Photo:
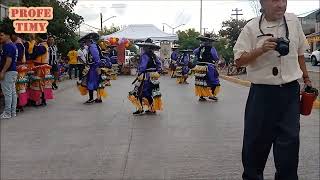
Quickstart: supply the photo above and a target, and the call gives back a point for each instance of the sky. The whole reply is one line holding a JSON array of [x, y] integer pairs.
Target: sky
[[173, 13]]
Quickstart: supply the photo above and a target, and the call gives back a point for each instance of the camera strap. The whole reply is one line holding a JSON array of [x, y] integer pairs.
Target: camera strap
[[285, 23]]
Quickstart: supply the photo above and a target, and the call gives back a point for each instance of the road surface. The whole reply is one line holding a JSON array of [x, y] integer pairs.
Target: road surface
[[188, 140]]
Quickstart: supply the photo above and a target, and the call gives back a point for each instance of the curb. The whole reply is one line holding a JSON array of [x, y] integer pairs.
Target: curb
[[236, 80], [316, 103]]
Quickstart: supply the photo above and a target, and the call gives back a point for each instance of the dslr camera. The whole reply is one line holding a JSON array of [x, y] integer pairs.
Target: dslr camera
[[282, 46]]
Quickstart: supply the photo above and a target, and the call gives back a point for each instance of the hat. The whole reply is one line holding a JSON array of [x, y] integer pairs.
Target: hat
[[175, 46], [148, 43], [206, 38], [90, 36], [186, 50]]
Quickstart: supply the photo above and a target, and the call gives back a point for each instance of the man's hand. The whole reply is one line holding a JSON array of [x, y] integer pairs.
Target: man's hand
[[269, 44], [2, 75], [307, 82]]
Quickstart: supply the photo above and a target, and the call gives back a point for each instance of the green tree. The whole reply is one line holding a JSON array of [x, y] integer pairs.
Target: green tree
[[231, 30], [133, 48], [7, 23], [188, 39], [223, 49], [109, 30], [64, 24]]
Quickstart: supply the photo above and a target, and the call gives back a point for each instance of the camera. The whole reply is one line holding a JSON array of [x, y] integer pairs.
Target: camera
[[282, 46]]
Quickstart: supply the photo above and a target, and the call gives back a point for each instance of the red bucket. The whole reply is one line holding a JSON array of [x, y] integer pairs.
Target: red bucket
[[306, 103]]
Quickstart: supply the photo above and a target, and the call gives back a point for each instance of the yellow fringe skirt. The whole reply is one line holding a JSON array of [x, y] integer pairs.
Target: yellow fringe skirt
[[157, 104], [203, 91]]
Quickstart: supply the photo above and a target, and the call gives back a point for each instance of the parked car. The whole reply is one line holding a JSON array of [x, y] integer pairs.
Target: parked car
[[307, 55], [315, 57]]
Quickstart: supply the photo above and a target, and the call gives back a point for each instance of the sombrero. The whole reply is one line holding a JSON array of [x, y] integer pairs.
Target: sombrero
[[93, 36], [148, 43], [206, 38], [176, 46]]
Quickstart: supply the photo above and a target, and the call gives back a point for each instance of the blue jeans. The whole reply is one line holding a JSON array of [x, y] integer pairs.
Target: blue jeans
[[8, 86]]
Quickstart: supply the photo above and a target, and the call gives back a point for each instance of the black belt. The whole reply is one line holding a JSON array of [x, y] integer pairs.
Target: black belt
[[281, 85]]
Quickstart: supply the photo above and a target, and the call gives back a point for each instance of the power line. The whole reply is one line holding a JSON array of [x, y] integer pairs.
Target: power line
[[237, 13]]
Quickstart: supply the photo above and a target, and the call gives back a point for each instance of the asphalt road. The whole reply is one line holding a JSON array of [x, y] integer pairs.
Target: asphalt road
[[188, 140]]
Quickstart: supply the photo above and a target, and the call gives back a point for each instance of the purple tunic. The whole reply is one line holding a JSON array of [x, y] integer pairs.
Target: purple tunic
[[143, 66], [93, 76], [212, 74], [184, 62], [174, 55]]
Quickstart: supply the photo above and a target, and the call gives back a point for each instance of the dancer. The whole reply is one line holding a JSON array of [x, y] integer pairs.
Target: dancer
[[113, 55], [207, 82], [183, 67], [174, 58], [94, 74], [147, 90]]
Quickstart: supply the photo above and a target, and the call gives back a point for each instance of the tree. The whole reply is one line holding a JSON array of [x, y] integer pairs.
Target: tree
[[187, 39], [223, 49], [231, 30], [64, 24], [255, 5], [109, 30]]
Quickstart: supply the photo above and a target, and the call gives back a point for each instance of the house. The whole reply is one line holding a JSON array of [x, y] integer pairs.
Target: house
[[314, 38], [308, 20], [311, 27], [4, 7]]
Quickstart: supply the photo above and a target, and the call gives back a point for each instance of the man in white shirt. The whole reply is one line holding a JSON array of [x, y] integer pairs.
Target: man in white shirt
[[272, 112], [82, 59]]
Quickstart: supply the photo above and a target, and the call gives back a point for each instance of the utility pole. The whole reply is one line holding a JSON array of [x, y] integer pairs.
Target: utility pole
[[237, 13], [200, 17], [204, 30], [101, 22]]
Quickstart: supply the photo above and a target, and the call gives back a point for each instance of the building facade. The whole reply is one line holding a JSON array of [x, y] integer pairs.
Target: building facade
[[4, 5], [311, 27]]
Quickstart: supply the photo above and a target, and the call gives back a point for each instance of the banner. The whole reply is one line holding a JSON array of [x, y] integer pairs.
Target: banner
[[30, 19]]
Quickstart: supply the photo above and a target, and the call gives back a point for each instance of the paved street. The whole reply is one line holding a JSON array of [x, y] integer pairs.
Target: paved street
[[188, 140], [313, 68]]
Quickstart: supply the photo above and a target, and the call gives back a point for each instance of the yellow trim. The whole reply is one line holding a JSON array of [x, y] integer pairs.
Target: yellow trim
[[43, 59], [203, 91]]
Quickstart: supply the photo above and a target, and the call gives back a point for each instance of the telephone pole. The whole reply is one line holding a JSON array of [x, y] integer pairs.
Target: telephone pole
[[237, 13], [204, 30], [200, 17], [101, 22]]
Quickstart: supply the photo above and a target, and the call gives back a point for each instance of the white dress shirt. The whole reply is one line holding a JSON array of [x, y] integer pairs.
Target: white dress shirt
[[260, 71]]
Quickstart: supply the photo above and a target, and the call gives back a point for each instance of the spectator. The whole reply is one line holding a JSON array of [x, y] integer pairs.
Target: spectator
[[8, 73], [73, 61], [53, 61], [82, 58]]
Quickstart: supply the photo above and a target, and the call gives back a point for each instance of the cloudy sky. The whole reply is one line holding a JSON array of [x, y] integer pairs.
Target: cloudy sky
[[174, 12]]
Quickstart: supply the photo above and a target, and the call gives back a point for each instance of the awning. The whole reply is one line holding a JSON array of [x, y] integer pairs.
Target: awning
[[314, 37], [142, 32]]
